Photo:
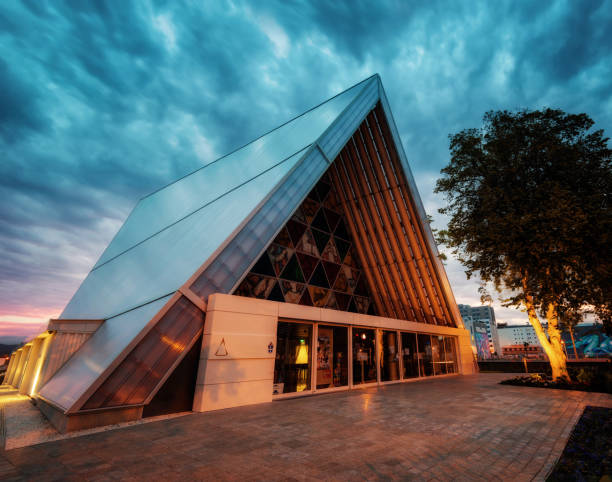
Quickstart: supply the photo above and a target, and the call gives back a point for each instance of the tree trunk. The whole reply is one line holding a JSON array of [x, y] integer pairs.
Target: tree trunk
[[552, 348], [554, 335]]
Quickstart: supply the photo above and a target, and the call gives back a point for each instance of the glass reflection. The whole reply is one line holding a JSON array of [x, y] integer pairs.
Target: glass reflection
[[409, 353], [424, 355], [364, 356], [332, 356], [389, 359], [437, 354], [293, 358], [451, 354]]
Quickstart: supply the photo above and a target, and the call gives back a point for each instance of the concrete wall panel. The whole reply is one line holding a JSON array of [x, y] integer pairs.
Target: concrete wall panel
[[236, 367], [227, 395], [236, 363], [233, 371]]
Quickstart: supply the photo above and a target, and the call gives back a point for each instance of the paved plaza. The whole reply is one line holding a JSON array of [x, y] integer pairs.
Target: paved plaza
[[454, 428]]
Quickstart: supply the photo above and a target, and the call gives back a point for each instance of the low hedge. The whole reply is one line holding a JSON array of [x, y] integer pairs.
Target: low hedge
[[588, 379]]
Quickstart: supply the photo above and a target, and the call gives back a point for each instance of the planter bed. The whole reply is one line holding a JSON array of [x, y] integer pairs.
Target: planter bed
[[588, 453], [587, 380]]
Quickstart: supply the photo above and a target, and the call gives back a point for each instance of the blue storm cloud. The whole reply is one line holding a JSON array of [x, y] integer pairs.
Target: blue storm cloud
[[103, 102]]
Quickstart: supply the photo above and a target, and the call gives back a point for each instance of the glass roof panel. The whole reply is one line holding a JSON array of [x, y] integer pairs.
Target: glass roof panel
[[173, 202], [96, 354], [164, 262]]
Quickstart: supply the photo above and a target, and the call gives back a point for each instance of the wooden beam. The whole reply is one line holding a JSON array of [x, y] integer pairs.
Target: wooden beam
[[392, 219], [364, 250], [393, 170], [395, 187]]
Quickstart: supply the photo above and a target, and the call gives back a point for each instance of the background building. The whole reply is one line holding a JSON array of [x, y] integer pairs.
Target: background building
[[485, 315], [517, 335], [590, 339], [523, 351], [480, 339]]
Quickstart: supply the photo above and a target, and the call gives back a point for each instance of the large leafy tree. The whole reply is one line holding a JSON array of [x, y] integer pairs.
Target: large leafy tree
[[530, 205]]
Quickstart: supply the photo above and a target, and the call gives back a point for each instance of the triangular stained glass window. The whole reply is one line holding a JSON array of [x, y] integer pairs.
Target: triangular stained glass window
[[342, 231], [343, 300], [331, 301], [319, 278], [361, 288], [321, 239], [346, 280], [292, 271], [283, 239], [331, 270], [319, 296], [309, 208], [307, 244], [330, 253], [322, 189], [361, 303], [332, 218], [263, 266], [276, 294], [279, 256], [332, 202], [341, 283], [343, 247], [306, 300], [244, 289], [255, 286], [308, 264], [313, 195], [292, 291], [298, 215], [320, 222], [350, 259], [304, 261], [296, 231]]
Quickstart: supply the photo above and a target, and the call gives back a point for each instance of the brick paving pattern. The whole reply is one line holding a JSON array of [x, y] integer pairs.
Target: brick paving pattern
[[455, 428]]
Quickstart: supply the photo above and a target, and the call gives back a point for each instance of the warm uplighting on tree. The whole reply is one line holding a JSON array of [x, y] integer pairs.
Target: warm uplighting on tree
[[528, 200]]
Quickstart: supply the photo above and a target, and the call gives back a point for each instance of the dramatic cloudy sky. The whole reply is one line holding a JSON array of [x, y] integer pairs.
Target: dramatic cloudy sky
[[100, 105]]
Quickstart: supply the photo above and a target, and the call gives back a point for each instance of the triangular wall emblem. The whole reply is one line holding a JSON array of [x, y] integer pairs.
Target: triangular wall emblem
[[222, 349]]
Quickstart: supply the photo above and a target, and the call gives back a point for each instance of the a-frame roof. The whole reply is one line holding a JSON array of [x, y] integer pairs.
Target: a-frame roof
[[204, 231], [173, 231]]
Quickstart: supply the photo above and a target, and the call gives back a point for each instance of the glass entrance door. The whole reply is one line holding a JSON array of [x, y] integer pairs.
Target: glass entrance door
[[389, 359], [364, 356], [437, 355], [332, 356], [451, 354], [293, 364], [424, 355], [410, 358]]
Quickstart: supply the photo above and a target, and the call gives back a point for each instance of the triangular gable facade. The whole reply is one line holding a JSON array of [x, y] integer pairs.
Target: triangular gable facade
[[321, 211], [313, 260]]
